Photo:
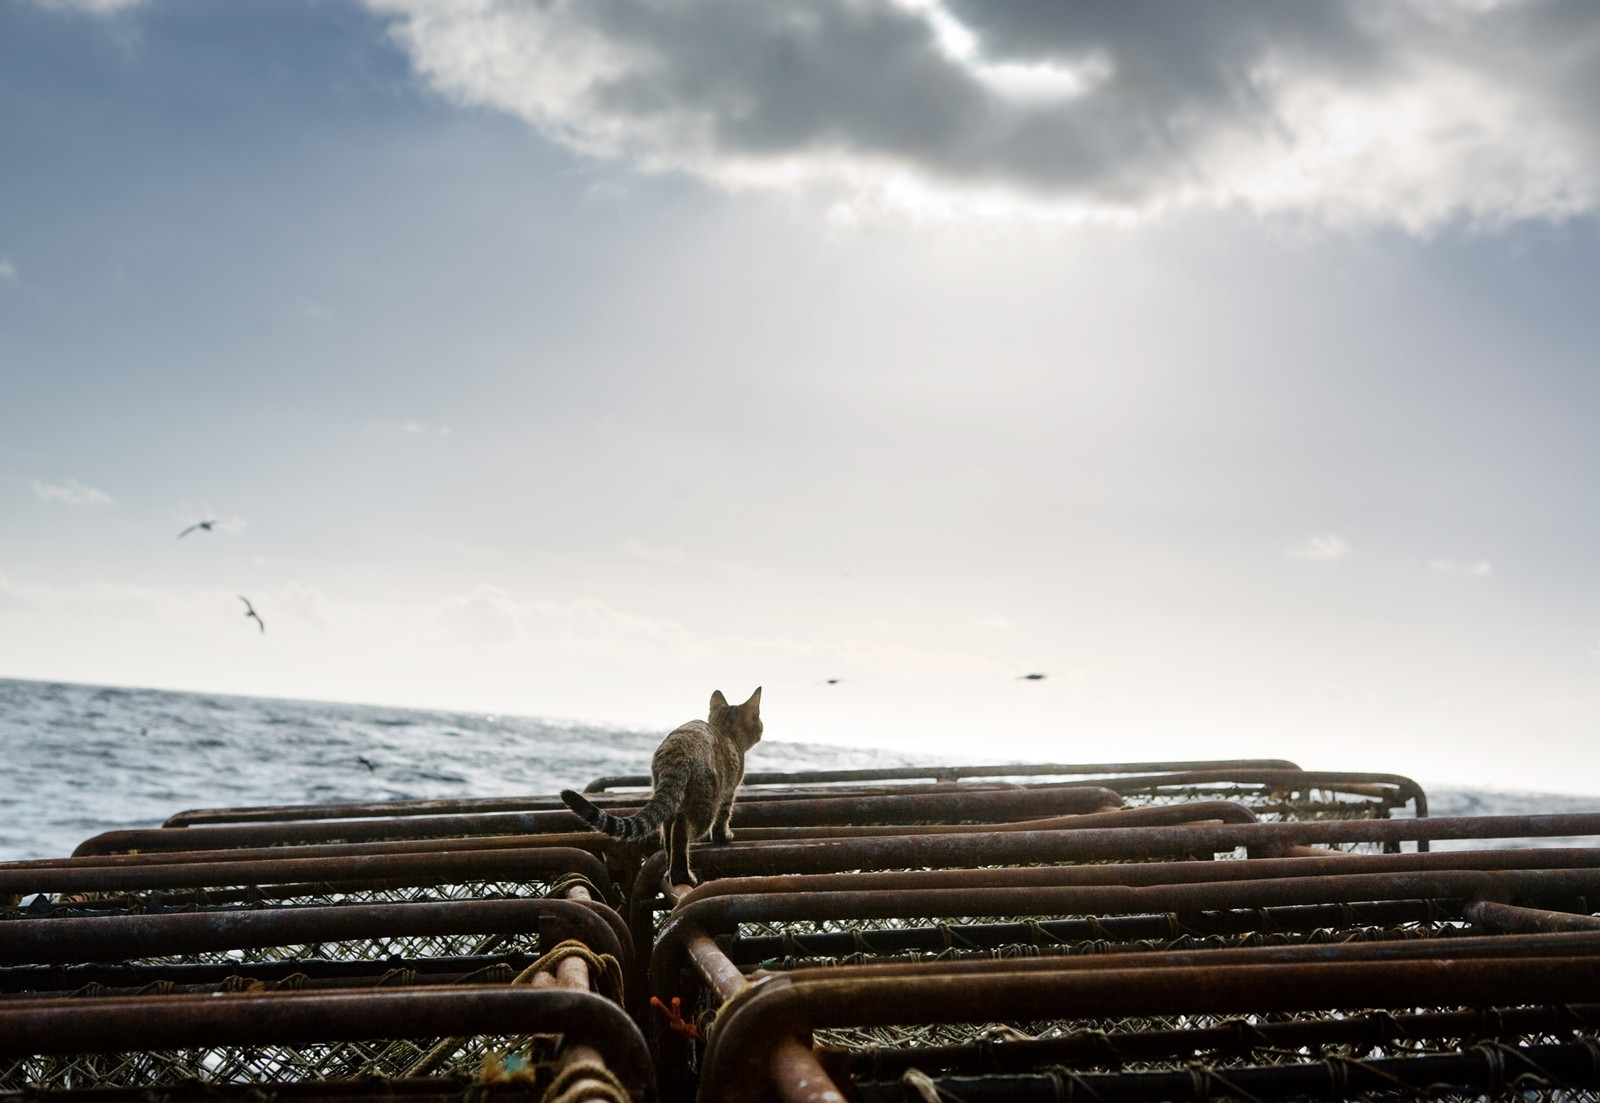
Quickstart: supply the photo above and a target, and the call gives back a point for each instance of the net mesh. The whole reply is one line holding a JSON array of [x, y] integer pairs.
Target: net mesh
[[262, 1064], [820, 943], [1164, 1043], [79, 905]]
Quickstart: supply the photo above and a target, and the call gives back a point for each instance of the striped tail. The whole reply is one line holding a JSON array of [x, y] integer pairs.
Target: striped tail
[[664, 803]]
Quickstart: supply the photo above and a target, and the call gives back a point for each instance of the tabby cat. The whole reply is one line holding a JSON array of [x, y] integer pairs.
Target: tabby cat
[[696, 772]]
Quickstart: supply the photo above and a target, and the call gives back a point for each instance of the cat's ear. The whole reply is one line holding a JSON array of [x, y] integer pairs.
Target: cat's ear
[[753, 706], [718, 701]]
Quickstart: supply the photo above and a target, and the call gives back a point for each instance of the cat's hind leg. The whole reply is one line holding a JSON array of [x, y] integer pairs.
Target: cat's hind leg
[[678, 852], [720, 831]]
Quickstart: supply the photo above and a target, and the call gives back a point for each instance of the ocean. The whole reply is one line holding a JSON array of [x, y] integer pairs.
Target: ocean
[[76, 760]]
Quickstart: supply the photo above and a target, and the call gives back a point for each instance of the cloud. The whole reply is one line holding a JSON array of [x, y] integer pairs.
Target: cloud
[[1479, 569], [8, 272], [893, 661], [418, 428], [1325, 548], [70, 491], [88, 7], [410, 427], [1407, 112]]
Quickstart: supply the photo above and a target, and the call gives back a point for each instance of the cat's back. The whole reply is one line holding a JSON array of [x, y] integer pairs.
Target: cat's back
[[690, 740]]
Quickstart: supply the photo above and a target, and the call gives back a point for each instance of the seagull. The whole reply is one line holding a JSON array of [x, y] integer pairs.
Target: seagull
[[250, 611], [366, 763], [200, 525], [1030, 677]]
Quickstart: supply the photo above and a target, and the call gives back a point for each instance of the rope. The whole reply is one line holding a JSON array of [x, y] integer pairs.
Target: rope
[[1037, 935], [605, 965], [566, 881], [1496, 1053], [498, 973], [586, 1082], [926, 1090], [1075, 1083], [1344, 1064], [1201, 1079]]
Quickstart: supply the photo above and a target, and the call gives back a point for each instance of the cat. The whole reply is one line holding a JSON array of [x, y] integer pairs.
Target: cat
[[696, 772]]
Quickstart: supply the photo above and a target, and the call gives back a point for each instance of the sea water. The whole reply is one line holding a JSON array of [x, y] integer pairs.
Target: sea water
[[76, 760]]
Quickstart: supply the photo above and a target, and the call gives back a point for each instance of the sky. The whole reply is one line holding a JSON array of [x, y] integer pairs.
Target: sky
[[1232, 364]]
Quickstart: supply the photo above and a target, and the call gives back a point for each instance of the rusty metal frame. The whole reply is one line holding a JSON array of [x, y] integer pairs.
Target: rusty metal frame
[[1092, 844], [121, 937], [949, 806], [757, 786], [951, 774], [1288, 891], [127, 978], [1133, 777], [613, 802], [751, 1053], [174, 1022], [722, 914], [1492, 1071], [347, 871], [1152, 873], [591, 841], [1239, 1038]]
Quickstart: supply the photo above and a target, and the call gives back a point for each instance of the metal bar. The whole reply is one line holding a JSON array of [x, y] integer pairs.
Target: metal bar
[[110, 938], [592, 841], [387, 809], [984, 847], [1155, 873], [172, 1022], [1059, 935], [958, 805], [799, 1078], [720, 914], [721, 975], [954, 773], [396, 869], [365, 1090], [16, 979], [1500, 918], [1221, 811]]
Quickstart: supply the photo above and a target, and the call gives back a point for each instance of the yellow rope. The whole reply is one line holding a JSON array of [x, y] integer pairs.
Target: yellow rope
[[586, 1082], [605, 965]]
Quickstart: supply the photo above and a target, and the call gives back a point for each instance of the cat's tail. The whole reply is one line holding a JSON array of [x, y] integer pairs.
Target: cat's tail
[[664, 804]]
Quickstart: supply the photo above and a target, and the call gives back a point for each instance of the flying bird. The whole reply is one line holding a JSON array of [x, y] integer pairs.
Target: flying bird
[[1030, 677], [200, 525], [370, 767], [833, 681], [250, 611]]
